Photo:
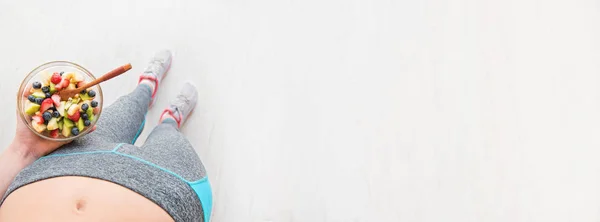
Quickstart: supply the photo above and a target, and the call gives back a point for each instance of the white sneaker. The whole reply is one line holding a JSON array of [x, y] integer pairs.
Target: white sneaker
[[157, 69], [160, 63], [183, 105]]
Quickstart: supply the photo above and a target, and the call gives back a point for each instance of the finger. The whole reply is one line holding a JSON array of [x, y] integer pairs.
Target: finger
[[93, 129]]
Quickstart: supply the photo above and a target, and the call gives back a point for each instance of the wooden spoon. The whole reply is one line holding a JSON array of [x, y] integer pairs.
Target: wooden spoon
[[65, 94]]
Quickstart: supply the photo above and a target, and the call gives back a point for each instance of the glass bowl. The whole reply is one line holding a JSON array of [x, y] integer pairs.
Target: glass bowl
[[40, 74]]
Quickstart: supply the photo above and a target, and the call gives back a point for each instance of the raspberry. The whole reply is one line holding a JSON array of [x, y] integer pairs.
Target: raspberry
[[56, 78]]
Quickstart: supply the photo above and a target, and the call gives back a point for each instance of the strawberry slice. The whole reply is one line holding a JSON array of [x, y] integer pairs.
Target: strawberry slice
[[63, 84], [54, 133], [56, 99], [59, 86], [74, 117], [37, 119], [56, 78], [46, 104]]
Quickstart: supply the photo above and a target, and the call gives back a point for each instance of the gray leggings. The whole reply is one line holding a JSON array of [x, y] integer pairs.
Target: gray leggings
[[166, 169]]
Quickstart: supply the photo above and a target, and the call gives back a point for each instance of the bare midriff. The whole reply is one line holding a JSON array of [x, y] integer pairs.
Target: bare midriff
[[83, 199]]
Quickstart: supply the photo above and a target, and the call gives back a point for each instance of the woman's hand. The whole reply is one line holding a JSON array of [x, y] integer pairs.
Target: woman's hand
[[32, 145], [25, 148]]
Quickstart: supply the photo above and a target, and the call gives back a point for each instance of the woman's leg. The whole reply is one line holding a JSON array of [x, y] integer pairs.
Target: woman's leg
[[171, 144], [123, 121], [175, 152], [168, 148]]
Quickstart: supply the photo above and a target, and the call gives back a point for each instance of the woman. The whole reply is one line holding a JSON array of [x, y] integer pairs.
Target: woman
[[102, 176]]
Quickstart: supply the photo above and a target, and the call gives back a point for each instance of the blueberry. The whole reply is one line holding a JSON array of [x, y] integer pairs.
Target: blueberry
[[37, 85], [47, 116], [84, 107], [52, 108], [84, 116], [39, 101], [91, 93], [31, 98], [45, 89], [75, 131], [83, 92], [94, 103], [55, 114], [61, 73], [48, 95], [87, 122]]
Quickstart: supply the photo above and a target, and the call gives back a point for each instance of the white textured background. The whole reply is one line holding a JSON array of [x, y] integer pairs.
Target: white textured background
[[355, 110]]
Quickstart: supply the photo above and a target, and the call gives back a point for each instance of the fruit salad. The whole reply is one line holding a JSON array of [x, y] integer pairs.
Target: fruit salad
[[56, 117]]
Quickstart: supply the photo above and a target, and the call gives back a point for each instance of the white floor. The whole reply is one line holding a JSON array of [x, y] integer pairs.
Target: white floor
[[360, 110]]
